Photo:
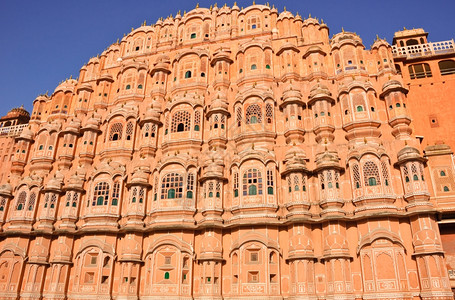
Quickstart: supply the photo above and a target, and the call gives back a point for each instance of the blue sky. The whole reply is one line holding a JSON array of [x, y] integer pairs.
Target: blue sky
[[44, 42]]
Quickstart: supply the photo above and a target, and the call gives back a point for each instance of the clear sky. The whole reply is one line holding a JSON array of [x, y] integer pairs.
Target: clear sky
[[44, 42]]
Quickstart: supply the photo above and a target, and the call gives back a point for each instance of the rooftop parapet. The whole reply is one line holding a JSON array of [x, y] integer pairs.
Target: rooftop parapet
[[423, 50]]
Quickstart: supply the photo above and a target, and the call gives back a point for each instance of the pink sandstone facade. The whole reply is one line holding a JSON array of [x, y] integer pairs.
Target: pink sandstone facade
[[232, 153]]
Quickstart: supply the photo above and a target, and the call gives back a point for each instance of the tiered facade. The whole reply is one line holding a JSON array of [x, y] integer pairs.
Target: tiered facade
[[224, 153]]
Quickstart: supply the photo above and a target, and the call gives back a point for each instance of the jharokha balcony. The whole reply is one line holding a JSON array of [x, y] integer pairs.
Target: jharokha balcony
[[423, 50], [12, 130]]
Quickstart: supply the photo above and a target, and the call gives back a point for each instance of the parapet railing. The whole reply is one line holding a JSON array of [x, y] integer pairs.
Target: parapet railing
[[12, 130], [420, 50]]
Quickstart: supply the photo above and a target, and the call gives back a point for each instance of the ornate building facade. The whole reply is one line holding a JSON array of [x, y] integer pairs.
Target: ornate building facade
[[229, 153]]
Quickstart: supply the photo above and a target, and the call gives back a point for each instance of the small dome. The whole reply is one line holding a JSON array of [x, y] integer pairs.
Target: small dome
[[66, 86], [139, 177], [408, 153], [27, 134], [54, 184], [319, 90], [6, 189], [17, 112]]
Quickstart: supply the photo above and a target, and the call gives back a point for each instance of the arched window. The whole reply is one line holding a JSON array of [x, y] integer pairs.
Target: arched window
[[442, 173], [252, 182], [371, 173], [21, 200], [193, 35], [253, 114], [172, 186], [128, 86], [181, 121], [197, 120], [356, 175], [398, 105], [129, 130], [446, 189], [269, 182], [31, 201], [190, 186], [101, 194], [412, 42], [116, 132], [188, 74], [239, 116], [166, 274], [269, 113], [371, 181], [267, 67], [359, 108], [115, 193], [236, 184], [139, 86], [447, 67], [253, 67], [421, 70]]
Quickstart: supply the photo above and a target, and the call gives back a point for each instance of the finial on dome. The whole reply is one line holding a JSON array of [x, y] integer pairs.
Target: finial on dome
[[197, 5], [309, 15], [117, 41], [254, 2], [284, 8], [342, 29], [132, 28], [71, 76], [235, 3], [404, 28]]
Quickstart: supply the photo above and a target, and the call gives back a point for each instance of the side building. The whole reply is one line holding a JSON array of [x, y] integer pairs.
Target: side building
[[231, 153]]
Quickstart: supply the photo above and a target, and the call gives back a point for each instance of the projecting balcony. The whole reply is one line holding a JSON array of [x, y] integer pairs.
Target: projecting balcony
[[12, 130], [424, 50]]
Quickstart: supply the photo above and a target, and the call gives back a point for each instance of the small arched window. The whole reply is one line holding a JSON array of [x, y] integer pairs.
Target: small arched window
[[188, 74], [446, 189], [253, 67], [372, 181], [360, 108], [128, 86], [166, 274], [193, 35], [415, 177], [442, 173], [171, 194], [139, 86], [267, 67], [398, 105]]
